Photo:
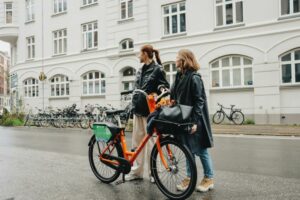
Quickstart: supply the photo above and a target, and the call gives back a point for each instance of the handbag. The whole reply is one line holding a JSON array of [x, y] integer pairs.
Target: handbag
[[177, 114]]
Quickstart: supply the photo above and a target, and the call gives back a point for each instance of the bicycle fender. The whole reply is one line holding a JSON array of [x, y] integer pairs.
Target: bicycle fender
[[91, 140]]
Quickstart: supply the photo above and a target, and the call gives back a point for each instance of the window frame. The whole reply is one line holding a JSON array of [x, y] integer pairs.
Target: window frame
[[86, 33], [64, 41], [291, 14], [127, 41], [57, 3], [8, 10], [65, 83], [126, 9], [34, 87], [88, 4], [130, 79], [171, 73], [169, 15], [30, 12], [30, 44], [293, 63], [93, 80], [223, 4], [231, 68]]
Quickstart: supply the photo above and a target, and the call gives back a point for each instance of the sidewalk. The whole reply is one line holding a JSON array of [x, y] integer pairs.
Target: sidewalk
[[272, 130]]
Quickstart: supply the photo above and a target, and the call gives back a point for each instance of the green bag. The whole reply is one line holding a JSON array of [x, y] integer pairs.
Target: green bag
[[101, 132]]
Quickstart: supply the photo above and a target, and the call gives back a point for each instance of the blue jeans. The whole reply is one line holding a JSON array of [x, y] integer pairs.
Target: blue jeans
[[206, 163]]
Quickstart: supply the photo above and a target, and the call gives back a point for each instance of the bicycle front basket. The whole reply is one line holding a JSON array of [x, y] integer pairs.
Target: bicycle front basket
[[102, 132]]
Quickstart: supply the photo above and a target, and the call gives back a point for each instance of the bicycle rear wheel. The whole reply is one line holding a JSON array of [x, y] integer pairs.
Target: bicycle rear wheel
[[218, 117], [103, 172], [179, 159], [237, 117]]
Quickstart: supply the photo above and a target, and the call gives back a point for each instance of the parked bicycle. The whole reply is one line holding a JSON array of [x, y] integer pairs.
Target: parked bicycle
[[236, 115], [169, 161]]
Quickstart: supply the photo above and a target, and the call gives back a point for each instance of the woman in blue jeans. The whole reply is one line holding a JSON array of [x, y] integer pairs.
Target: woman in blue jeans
[[188, 89]]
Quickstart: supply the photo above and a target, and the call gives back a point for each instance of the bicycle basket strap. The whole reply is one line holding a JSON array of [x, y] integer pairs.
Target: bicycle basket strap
[[178, 113]]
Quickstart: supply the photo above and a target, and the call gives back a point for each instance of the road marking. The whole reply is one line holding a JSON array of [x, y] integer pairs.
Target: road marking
[[258, 136]]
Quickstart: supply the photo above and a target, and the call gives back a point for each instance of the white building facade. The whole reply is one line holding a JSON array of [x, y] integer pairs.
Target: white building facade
[[249, 50], [4, 84]]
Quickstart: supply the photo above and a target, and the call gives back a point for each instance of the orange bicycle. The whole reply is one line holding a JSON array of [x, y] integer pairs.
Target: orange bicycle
[[169, 162]]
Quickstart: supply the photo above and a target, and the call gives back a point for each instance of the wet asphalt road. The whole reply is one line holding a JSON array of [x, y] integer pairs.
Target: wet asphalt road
[[38, 164]]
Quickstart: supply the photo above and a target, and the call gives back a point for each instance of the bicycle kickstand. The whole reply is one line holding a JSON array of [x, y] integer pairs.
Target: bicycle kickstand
[[121, 181]]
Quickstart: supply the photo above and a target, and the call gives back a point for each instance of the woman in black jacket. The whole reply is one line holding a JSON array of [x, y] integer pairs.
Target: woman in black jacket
[[151, 78], [188, 89]]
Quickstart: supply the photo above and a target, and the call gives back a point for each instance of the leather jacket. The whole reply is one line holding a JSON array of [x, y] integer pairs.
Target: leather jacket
[[149, 78]]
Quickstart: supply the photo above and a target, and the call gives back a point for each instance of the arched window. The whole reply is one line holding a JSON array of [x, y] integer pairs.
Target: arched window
[[290, 67], [93, 83], [170, 69], [31, 87], [126, 44], [231, 71], [60, 86], [128, 78]]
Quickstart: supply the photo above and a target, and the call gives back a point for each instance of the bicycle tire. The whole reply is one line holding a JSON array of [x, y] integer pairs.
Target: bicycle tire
[[218, 117], [96, 172], [235, 120], [84, 122], [155, 158]]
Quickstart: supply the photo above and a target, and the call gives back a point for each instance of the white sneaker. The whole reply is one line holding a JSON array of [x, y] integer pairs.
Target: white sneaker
[[152, 180], [132, 177]]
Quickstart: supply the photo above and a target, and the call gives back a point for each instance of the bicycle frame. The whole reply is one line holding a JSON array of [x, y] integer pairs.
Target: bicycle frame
[[131, 156]]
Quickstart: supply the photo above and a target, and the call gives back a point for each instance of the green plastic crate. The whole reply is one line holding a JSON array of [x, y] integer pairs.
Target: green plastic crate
[[101, 132]]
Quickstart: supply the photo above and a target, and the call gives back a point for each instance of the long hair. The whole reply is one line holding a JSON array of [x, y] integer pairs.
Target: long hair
[[150, 51], [188, 60]]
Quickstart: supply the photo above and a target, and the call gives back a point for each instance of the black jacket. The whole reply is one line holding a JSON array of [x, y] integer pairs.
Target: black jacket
[[150, 78], [188, 89]]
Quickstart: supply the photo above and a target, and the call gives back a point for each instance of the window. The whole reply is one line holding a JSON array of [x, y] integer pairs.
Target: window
[[126, 44], [170, 69], [31, 87], [128, 78], [90, 35], [88, 2], [93, 83], [29, 10], [60, 86], [60, 6], [30, 47], [229, 12], [290, 7], [290, 67], [60, 42], [126, 9], [174, 18], [8, 13], [231, 71]]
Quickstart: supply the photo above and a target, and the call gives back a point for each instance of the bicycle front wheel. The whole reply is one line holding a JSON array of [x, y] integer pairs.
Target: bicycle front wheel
[[237, 117], [179, 160], [103, 172], [218, 117]]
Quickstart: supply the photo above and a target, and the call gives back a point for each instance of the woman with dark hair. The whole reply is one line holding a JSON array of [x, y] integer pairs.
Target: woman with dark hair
[[151, 78], [188, 89]]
